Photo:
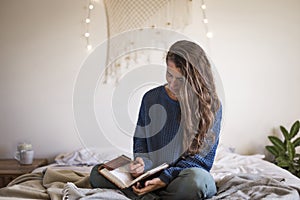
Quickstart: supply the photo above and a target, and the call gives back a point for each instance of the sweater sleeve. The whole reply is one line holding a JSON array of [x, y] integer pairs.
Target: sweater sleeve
[[140, 147], [197, 160]]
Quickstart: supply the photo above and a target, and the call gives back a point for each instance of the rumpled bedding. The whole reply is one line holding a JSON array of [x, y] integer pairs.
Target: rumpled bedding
[[52, 185], [71, 185], [237, 177], [250, 186]]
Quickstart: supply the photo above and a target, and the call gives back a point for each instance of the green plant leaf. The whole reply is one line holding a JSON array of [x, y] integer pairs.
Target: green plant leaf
[[285, 133], [291, 150], [282, 162], [296, 142], [277, 143], [294, 129], [272, 150]]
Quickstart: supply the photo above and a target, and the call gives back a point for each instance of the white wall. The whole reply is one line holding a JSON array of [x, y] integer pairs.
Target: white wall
[[255, 49], [42, 48]]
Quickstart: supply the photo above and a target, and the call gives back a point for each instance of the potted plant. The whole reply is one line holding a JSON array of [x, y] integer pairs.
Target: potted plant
[[284, 151]]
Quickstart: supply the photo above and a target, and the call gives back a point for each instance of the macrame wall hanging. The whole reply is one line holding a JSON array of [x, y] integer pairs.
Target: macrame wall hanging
[[127, 15]]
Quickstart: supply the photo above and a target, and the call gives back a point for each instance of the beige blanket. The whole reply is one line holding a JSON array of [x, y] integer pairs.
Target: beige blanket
[[43, 186]]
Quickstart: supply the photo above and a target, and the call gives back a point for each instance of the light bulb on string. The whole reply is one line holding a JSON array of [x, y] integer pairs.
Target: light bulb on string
[[89, 47], [87, 20], [209, 34], [91, 6], [87, 34]]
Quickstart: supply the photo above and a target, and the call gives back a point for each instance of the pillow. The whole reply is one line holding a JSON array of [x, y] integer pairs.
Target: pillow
[[89, 156]]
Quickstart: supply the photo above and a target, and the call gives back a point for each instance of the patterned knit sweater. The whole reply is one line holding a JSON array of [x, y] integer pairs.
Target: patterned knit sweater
[[158, 136]]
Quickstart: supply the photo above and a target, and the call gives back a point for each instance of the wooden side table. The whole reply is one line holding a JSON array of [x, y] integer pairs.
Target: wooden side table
[[11, 169]]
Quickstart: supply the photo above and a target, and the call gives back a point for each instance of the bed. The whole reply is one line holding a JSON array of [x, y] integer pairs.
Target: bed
[[237, 177]]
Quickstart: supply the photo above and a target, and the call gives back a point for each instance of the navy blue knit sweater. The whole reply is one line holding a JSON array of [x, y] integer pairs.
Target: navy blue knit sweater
[[158, 136]]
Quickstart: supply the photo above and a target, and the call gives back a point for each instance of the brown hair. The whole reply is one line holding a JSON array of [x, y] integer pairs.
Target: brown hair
[[198, 98]]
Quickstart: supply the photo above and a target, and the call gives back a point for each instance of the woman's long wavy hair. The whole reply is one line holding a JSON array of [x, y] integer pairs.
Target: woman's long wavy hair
[[198, 98]]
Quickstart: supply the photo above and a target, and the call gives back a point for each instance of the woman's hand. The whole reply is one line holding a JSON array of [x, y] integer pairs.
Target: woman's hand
[[150, 186], [137, 167]]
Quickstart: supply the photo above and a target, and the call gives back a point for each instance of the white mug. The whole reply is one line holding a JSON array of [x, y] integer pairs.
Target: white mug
[[25, 157]]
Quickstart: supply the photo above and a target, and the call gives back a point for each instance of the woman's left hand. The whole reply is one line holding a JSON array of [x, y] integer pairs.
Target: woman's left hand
[[150, 186]]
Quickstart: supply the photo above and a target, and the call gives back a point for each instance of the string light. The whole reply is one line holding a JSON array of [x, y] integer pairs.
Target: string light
[[89, 47], [91, 6], [209, 34], [87, 34], [87, 22]]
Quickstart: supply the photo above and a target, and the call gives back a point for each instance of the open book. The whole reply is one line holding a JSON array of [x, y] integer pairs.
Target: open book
[[117, 171]]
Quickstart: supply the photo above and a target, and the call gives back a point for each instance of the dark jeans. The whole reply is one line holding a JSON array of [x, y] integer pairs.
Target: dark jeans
[[191, 183]]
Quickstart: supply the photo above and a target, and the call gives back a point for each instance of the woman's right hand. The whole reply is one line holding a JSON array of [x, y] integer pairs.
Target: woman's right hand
[[137, 167]]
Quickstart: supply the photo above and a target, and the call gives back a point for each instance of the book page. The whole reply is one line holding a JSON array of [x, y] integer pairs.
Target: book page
[[123, 175], [106, 173]]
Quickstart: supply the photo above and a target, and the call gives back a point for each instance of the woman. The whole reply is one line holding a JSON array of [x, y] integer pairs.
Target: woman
[[179, 123], [193, 115]]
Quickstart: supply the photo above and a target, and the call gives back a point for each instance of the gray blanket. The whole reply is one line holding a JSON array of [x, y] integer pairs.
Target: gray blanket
[[250, 186]]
